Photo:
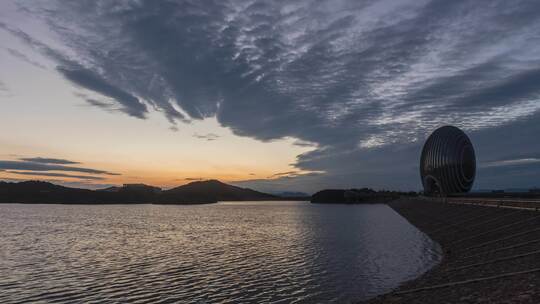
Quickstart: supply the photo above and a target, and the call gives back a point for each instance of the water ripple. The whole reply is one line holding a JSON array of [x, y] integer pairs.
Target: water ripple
[[278, 252]]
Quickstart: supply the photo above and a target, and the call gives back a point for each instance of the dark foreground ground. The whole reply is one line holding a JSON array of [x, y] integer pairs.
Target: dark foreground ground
[[492, 255]]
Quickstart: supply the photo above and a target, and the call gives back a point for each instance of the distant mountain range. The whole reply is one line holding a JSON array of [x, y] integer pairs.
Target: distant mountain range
[[199, 192]]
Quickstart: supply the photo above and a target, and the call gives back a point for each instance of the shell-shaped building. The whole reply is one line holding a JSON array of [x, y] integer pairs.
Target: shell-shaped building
[[448, 162]]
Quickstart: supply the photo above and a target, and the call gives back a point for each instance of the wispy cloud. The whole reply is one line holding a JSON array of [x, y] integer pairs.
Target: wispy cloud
[[24, 58], [511, 162], [208, 137], [3, 88], [86, 177], [193, 179], [94, 102], [288, 173]]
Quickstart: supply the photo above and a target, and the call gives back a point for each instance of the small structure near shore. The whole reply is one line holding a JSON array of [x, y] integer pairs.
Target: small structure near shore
[[448, 162]]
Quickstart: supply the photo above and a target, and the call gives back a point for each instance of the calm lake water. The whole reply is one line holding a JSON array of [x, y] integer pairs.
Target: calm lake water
[[234, 252]]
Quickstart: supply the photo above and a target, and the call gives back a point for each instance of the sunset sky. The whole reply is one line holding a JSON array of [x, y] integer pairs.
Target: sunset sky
[[276, 95]]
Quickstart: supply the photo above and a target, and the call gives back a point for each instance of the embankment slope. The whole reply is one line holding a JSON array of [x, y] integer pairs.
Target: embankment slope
[[492, 255]]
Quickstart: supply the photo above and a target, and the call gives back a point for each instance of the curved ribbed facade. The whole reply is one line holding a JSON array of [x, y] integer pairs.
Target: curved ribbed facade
[[448, 162]]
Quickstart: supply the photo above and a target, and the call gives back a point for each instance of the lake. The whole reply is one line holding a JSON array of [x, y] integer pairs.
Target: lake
[[230, 252]]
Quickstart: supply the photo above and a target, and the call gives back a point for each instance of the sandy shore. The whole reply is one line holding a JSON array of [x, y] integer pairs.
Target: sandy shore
[[492, 255]]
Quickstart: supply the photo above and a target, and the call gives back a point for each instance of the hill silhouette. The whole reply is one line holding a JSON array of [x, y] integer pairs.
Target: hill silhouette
[[35, 192], [210, 191]]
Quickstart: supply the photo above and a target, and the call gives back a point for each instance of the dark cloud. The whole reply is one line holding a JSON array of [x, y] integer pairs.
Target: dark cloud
[[44, 160], [193, 179], [94, 82], [363, 82], [208, 137], [86, 177], [37, 167]]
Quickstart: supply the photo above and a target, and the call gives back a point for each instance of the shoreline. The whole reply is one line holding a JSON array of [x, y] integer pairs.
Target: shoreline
[[490, 255], [157, 204]]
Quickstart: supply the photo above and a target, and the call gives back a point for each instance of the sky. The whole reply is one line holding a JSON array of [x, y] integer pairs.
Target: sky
[[295, 95]]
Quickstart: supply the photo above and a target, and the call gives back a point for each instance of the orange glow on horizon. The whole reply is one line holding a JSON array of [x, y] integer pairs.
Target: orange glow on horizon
[[238, 159], [161, 181]]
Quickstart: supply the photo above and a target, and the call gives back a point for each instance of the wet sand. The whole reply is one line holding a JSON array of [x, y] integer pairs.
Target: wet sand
[[491, 255]]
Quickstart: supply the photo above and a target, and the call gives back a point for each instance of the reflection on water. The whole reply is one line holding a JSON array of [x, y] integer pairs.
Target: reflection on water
[[287, 252]]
